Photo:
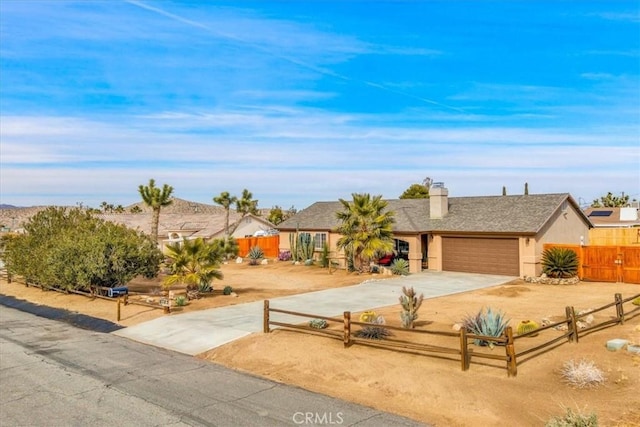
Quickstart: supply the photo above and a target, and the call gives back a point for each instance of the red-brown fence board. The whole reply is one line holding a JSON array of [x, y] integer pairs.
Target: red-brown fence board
[[606, 263], [270, 245]]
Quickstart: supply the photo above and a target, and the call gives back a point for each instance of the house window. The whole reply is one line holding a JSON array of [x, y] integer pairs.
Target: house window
[[321, 240]]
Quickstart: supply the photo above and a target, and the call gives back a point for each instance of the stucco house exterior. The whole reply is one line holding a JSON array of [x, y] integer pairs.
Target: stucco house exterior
[[487, 234]]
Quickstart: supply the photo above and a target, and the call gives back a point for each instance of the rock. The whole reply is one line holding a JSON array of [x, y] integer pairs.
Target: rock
[[264, 262], [457, 327], [239, 260], [616, 344], [233, 294]]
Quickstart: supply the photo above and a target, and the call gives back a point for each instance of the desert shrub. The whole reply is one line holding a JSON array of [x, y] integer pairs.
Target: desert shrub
[[181, 301], [559, 262], [318, 323], [205, 287], [400, 267], [582, 374], [574, 419], [227, 290], [284, 256], [410, 303], [255, 255], [375, 331], [636, 301], [487, 323]]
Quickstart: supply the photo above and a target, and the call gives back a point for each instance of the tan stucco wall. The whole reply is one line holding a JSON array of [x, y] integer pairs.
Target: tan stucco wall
[[565, 227]]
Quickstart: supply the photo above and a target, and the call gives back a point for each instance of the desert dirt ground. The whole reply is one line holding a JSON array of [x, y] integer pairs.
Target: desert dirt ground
[[430, 389]]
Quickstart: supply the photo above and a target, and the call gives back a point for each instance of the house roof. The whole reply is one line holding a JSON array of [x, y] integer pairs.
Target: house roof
[[522, 214], [613, 217]]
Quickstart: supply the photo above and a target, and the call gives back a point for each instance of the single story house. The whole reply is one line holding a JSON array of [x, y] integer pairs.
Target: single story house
[[189, 220], [622, 217], [501, 235]]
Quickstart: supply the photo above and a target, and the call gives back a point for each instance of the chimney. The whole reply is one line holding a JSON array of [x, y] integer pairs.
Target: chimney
[[438, 201]]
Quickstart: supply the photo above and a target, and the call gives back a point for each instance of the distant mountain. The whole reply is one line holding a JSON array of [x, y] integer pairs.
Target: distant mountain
[[4, 206]]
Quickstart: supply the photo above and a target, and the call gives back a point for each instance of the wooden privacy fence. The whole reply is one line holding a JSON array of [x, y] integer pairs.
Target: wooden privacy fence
[[603, 236], [270, 245], [605, 263], [459, 341]]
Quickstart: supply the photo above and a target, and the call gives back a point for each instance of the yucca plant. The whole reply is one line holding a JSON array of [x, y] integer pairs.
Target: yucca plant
[[255, 255], [559, 262], [400, 267], [487, 323], [410, 302]]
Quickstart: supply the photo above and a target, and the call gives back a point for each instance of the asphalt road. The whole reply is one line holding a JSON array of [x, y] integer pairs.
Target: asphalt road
[[54, 374]]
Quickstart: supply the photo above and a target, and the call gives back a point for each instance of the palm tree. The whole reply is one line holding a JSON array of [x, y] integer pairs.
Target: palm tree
[[225, 200], [155, 198], [366, 228], [193, 263]]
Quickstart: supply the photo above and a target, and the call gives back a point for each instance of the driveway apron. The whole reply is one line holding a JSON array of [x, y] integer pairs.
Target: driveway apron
[[196, 332]]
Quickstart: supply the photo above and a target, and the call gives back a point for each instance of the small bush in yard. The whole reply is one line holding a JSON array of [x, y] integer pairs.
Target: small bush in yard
[[636, 301], [284, 256], [227, 290], [582, 374], [560, 263], [181, 301], [574, 419]]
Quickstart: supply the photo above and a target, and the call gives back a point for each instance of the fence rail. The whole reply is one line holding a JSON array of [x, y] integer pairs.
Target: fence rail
[[462, 338]]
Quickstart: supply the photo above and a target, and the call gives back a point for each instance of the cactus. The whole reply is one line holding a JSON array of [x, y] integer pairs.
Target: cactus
[[293, 245], [306, 246], [302, 246], [368, 316], [410, 304], [318, 323], [527, 326]]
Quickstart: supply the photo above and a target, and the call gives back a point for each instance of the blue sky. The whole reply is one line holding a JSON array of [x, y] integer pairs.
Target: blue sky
[[301, 101]]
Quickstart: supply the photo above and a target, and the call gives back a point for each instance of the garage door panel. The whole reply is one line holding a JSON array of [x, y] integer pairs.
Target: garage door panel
[[481, 255]]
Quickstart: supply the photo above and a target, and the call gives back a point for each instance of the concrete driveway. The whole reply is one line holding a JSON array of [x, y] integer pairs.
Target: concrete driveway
[[196, 332]]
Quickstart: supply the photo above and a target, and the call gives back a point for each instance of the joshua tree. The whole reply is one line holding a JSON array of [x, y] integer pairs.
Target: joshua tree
[[155, 198], [225, 200], [245, 205], [366, 228]]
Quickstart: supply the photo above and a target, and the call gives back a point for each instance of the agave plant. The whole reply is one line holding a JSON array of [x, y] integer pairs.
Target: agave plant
[[487, 323], [559, 262], [255, 255], [376, 331], [400, 267]]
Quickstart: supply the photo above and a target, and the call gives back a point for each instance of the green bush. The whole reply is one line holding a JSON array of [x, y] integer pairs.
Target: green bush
[[324, 256], [181, 301], [574, 419], [400, 267], [255, 255], [205, 287], [487, 323], [636, 301], [227, 290], [559, 263]]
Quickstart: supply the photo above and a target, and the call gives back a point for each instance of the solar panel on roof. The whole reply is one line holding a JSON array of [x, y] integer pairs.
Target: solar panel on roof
[[601, 213]]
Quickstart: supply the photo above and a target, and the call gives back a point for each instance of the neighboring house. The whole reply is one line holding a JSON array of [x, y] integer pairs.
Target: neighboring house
[[489, 234], [187, 220], [613, 217]]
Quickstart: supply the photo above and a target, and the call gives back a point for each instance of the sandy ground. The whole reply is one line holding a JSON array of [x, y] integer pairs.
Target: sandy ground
[[431, 389]]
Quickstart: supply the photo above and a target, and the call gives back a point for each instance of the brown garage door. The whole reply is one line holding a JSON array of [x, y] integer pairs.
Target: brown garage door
[[481, 255]]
